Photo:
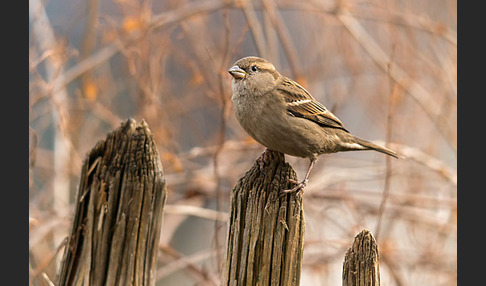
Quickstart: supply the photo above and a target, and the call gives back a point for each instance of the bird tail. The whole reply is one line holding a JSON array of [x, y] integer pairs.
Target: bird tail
[[371, 146]]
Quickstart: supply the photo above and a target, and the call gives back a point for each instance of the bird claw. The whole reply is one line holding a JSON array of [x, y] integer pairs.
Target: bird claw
[[294, 181], [297, 189]]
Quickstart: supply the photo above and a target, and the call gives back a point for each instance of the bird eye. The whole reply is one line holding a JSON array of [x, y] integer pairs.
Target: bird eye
[[254, 68]]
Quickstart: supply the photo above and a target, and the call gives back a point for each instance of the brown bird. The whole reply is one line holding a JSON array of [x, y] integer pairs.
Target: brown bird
[[282, 116]]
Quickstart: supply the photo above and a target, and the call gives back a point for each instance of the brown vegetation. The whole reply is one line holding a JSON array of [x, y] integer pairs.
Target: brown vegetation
[[387, 69]]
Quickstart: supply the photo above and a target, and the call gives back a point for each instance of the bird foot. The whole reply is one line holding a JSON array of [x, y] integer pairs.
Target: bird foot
[[297, 189]]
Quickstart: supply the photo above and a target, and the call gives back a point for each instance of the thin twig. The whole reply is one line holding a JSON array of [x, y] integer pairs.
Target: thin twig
[[54, 69], [197, 211], [255, 28], [389, 126], [47, 261], [221, 137], [419, 156], [188, 262], [285, 38]]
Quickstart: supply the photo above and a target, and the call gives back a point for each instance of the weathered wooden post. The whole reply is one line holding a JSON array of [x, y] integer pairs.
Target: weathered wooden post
[[116, 227], [361, 263], [265, 231]]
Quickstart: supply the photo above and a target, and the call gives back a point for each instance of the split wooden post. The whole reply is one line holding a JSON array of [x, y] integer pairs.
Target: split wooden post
[[116, 227], [265, 230], [361, 263]]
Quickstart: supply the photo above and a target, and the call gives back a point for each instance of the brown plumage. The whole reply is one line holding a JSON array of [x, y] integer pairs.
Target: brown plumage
[[283, 116]]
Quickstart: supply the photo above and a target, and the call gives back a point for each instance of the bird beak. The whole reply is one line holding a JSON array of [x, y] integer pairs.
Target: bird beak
[[236, 72]]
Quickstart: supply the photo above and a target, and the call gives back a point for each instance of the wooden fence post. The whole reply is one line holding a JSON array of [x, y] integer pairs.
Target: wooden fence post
[[265, 232], [116, 227], [361, 263]]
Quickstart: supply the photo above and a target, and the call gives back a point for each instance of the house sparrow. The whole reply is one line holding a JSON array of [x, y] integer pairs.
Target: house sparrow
[[282, 116]]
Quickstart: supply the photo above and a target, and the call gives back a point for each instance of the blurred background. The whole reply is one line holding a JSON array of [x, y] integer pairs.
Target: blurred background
[[387, 69]]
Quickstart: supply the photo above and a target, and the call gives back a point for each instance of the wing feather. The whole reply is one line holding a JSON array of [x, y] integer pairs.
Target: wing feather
[[300, 103]]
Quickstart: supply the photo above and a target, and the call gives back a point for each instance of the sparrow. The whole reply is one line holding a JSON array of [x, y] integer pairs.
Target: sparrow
[[283, 116]]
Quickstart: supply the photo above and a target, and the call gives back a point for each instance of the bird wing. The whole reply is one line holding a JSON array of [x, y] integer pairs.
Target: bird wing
[[300, 103]]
